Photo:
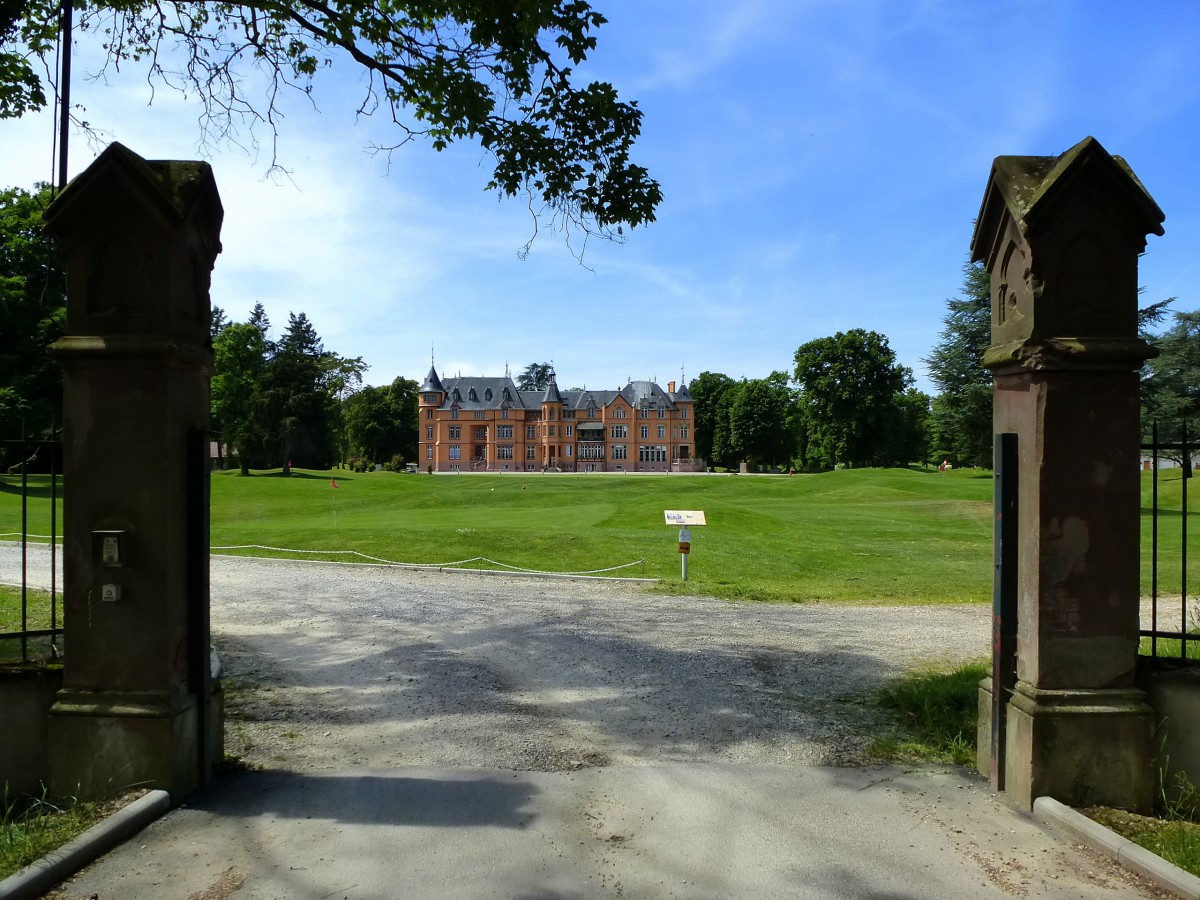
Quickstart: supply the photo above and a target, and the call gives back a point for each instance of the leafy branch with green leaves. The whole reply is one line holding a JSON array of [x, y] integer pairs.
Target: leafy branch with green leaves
[[499, 73]]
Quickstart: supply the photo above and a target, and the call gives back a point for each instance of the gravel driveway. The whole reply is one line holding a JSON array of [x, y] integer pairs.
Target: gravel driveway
[[340, 665], [345, 675]]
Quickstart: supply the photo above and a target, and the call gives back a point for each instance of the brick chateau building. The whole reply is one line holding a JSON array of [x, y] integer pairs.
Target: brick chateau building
[[487, 425]]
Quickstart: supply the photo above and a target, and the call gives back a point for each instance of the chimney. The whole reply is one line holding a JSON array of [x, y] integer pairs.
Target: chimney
[[670, 387]]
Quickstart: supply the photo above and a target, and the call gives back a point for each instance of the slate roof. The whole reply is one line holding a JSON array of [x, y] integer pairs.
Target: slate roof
[[432, 382], [646, 393], [552, 394], [484, 393], [497, 393], [584, 399]]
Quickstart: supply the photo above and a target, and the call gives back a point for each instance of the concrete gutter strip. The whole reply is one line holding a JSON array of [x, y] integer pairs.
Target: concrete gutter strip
[[1166, 875], [34, 880]]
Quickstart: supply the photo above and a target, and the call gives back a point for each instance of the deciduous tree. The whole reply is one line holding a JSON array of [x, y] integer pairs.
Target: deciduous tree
[[911, 435], [32, 316], [759, 411], [850, 390], [381, 422], [501, 74], [709, 391]]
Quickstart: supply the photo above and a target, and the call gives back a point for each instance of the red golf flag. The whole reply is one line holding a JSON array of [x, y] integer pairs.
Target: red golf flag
[[333, 482]]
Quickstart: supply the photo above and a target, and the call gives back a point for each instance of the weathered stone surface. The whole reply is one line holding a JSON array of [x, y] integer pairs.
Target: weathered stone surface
[[25, 698], [139, 240], [1060, 237], [1083, 748], [1174, 693]]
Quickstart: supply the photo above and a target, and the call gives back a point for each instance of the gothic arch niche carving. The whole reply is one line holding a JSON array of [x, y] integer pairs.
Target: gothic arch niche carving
[[1012, 292]]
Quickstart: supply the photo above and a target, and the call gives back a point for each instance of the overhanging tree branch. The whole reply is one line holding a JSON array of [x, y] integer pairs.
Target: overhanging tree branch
[[447, 70]]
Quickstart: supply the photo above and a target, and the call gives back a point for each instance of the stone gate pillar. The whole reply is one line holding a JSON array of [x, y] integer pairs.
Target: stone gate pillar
[[139, 239], [1060, 236]]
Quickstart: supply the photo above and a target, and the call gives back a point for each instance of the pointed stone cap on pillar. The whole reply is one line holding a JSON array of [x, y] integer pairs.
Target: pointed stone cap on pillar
[[139, 239], [1060, 237]]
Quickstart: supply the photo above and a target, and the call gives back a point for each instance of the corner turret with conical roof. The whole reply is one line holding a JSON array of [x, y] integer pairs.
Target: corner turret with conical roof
[[432, 382], [431, 396], [553, 429], [552, 395]]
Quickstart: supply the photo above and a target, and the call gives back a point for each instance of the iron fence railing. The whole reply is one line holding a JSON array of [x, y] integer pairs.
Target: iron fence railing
[[33, 628], [1161, 639]]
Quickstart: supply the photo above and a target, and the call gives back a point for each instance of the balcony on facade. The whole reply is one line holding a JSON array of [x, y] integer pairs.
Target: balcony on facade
[[591, 450]]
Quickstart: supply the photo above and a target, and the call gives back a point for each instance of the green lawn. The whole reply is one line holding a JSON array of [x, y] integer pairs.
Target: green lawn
[[37, 504], [868, 535], [37, 618], [887, 535], [1170, 533]]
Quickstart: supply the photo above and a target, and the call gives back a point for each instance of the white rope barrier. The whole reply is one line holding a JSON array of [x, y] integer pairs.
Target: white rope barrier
[[457, 564], [448, 565]]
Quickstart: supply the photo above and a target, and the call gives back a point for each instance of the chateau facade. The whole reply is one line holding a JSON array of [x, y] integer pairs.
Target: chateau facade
[[487, 425]]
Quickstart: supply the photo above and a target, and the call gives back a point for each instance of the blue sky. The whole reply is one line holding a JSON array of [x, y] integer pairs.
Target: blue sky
[[821, 162]]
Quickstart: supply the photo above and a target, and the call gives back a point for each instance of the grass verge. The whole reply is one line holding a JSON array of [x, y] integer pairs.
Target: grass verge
[[1175, 840], [31, 827], [1173, 833], [936, 710]]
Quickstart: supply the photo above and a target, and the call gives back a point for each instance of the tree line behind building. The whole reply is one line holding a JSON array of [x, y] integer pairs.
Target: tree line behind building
[[844, 401]]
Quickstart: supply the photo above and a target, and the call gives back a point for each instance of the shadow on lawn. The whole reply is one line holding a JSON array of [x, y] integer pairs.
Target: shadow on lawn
[[298, 474], [38, 486]]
